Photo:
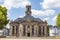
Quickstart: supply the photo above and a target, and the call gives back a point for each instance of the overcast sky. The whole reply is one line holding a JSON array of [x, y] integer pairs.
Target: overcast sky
[[43, 9]]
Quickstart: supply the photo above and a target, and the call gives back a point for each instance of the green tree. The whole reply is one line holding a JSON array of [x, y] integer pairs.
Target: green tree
[[3, 17], [58, 20]]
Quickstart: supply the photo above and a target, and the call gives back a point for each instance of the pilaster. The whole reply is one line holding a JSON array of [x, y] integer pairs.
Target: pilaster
[[26, 31], [45, 31], [10, 31], [35, 30]]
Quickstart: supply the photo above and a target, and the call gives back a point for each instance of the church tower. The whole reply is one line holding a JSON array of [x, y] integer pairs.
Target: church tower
[[28, 10]]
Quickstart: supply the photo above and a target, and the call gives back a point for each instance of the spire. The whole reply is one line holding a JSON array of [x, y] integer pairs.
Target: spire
[[28, 10]]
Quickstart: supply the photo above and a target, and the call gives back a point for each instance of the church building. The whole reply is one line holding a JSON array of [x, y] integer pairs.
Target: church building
[[28, 26]]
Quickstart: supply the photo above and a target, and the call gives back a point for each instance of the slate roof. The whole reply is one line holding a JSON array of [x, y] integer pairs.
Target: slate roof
[[25, 18]]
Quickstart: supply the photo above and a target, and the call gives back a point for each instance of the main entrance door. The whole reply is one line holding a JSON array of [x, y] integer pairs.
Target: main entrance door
[[28, 31], [28, 34]]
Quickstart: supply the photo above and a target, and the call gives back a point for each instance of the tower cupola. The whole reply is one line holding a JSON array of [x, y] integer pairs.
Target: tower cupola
[[28, 10]]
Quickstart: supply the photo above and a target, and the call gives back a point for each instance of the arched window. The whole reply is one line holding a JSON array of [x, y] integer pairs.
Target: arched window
[[13, 30], [39, 30], [16, 30], [28, 26], [43, 31]]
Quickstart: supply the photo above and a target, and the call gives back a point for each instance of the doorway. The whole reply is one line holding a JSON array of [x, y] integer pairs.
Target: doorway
[[28, 34]]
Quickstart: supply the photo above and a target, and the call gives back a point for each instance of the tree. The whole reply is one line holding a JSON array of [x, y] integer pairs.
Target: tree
[[3, 17], [58, 20], [48, 26]]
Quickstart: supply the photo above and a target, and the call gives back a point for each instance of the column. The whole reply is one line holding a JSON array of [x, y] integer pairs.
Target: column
[[35, 30], [30, 30], [10, 31], [21, 30], [45, 31], [41, 30]]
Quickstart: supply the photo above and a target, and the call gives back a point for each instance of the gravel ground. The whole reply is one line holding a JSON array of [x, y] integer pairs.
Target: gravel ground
[[26, 39], [31, 38]]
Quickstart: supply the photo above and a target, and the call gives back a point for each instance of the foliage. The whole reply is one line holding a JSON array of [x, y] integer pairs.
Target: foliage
[[48, 26], [3, 17], [58, 20]]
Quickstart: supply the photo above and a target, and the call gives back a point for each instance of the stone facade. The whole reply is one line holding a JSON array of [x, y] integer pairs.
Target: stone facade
[[28, 26]]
